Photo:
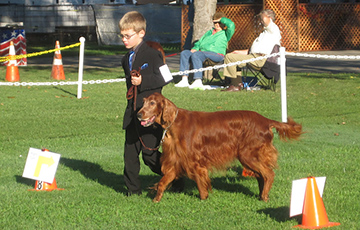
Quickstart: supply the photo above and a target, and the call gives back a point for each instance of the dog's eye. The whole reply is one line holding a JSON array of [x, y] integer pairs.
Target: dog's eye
[[152, 102]]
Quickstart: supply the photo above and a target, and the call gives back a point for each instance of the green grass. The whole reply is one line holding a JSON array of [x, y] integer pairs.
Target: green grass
[[88, 135]]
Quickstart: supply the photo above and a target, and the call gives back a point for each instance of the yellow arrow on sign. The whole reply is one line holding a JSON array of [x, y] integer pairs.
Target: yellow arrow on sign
[[43, 160]]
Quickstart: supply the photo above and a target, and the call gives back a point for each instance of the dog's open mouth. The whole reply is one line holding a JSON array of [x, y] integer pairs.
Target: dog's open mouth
[[148, 121]]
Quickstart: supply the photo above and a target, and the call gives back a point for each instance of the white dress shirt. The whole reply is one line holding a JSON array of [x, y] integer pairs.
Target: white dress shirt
[[266, 40]]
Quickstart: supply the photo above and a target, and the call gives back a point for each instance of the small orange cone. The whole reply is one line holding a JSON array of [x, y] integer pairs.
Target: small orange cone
[[44, 186], [57, 72], [314, 213], [247, 173], [12, 71]]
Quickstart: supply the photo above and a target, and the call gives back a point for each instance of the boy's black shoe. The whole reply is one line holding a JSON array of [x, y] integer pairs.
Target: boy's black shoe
[[130, 193]]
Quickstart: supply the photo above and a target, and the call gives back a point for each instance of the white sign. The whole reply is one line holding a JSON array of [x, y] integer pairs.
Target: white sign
[[165, 72], [41, 165], [298, 194]]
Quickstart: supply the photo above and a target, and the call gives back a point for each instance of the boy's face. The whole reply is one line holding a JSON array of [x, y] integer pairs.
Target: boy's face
[[131, 38]]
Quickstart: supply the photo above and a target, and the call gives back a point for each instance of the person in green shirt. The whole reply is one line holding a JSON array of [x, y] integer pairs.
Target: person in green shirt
[[212, 45]]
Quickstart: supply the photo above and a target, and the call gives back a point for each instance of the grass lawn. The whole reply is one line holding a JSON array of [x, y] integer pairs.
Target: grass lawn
[[87, 133]]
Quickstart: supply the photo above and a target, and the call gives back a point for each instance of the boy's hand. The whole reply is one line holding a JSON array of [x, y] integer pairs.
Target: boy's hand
[[135, 77], [136, 80]]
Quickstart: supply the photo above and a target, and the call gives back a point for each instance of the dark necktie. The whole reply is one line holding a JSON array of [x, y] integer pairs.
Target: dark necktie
[[131, 56]]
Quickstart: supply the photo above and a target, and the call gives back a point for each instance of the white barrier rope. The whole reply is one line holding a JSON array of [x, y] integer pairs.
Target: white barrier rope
[[61, 82], [181, 72], [123, 79], [352, 57], [282, 55]]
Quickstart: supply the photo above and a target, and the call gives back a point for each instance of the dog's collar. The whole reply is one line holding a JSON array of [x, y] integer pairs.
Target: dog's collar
[[167, 128]]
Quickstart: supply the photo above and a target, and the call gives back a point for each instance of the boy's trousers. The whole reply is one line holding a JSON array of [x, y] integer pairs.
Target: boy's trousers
[[151, 137]]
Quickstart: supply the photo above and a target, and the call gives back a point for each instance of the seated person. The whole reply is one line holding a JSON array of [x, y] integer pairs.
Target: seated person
[[261, 46], [211, 45]]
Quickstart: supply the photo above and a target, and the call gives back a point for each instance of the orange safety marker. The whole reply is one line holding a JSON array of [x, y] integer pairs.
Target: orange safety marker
[[314, 213], [57, 72], [12, 71], [247, 173], [44, 186]]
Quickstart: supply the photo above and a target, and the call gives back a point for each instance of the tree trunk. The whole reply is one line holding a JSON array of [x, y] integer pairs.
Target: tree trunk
[[204, 11]]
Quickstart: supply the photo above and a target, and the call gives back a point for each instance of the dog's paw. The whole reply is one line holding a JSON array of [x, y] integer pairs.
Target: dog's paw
[[154, 187]]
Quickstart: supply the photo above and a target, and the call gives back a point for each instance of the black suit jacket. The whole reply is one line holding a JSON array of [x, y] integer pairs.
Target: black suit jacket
[[149, 60]]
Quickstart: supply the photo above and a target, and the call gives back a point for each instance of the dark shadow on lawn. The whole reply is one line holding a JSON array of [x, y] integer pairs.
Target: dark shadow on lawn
[[23, 180], [336, 76], [116, 182], [65, 91], [224, 183], [227, 184], [280, 214], [96, 173], [231, 184]]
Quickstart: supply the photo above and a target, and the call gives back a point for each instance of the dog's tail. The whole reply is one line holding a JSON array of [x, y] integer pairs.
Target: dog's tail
[[289, 130]]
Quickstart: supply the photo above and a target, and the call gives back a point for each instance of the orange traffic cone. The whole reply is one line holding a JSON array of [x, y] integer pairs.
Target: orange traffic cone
[[12, 71], [44, 186], [57, 72], [314, 213]]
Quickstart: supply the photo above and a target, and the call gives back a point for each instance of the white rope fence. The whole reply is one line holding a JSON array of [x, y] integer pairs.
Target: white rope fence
[[223, 65], [350, 57], [61, 83], [282, 54]]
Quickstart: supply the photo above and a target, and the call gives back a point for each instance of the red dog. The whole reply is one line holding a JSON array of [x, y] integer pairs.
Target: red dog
[[158, 47], [198, 141]]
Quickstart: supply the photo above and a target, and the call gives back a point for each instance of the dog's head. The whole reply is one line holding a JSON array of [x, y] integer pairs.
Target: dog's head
[[156, 109]]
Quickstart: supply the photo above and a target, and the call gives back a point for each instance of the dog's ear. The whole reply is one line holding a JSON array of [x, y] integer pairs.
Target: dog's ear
[[168, 111]]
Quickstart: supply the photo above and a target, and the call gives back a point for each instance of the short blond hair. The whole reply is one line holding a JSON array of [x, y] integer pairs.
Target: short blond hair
[[133, 20]]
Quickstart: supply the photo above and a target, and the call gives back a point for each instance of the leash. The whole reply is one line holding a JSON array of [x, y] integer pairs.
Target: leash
[[132, 93], [162, 138]]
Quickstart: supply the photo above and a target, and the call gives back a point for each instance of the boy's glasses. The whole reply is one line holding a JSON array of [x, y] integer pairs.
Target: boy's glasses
[[216, 22], [126, 36]]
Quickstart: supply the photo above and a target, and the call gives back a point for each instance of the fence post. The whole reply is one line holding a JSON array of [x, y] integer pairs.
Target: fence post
[[81, 66], [283, 84]]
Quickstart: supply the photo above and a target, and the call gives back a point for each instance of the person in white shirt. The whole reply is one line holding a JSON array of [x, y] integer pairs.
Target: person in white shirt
[[261, 46]]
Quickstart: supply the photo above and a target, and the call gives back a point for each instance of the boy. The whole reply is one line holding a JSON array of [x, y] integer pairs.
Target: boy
[[147, 61]]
